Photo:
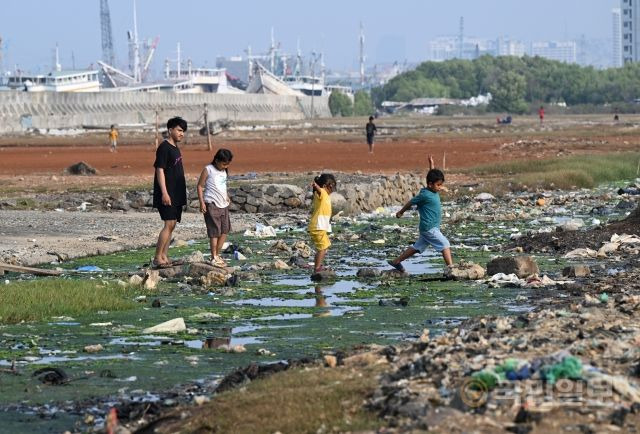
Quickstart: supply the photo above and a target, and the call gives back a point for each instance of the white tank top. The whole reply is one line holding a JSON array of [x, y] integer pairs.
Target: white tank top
[[215, 188]]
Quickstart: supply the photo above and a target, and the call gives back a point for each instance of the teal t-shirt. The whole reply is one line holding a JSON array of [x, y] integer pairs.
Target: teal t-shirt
[[428, 204]]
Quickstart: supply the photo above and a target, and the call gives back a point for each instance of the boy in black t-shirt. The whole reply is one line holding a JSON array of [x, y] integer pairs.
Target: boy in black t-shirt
[[169, 188]]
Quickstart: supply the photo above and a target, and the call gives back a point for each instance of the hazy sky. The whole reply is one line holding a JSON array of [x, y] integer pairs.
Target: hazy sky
[[394, 30]]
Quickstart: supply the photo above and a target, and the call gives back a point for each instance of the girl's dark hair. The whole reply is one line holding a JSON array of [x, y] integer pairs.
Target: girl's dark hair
[[222, 156], [326, 179]]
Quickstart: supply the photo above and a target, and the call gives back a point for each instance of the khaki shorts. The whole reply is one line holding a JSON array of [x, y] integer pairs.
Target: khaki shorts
[[217, 221], [320, 239]]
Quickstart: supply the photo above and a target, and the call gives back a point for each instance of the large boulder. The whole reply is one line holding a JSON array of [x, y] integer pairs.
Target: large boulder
[[521, 266], [339, 203]]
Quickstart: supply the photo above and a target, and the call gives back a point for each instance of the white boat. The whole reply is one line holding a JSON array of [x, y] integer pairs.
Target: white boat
[[56, 81], [306, 84]]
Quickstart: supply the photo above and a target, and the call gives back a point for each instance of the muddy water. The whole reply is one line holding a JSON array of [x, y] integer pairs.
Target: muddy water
[[282, 312]]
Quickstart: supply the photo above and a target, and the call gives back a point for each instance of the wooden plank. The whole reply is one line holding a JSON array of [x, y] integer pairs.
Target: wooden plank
[[29, 270]]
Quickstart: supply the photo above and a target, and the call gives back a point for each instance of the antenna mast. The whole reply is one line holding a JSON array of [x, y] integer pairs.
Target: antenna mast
[[362, 57], [108, 55]]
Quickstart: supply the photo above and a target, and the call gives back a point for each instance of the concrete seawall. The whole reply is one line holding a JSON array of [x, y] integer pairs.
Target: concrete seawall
[[21, 111]]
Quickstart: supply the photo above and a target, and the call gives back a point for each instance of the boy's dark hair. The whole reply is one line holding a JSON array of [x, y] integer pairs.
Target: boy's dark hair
[[326, 179], [177, 122], [370, 118], [222, 156], [435, 175], [113, 126]]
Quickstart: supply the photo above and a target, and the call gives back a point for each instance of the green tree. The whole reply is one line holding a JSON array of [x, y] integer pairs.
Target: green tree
[[340, 104], [362, 104], [508, 93]]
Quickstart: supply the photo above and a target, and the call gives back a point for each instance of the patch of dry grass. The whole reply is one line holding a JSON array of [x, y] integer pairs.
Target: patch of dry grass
[[295, 401]]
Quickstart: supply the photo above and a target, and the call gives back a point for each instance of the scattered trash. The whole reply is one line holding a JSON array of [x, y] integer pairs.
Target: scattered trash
[[89, 269], [261, 231]]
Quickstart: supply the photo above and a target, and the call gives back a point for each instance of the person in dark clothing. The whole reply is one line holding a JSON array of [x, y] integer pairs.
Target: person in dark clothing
[[169, 188], [371, 132]]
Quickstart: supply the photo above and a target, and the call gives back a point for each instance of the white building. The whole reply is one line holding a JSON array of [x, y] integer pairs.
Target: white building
[[562, 51], [630, 13], [508, 47], [616, 52]]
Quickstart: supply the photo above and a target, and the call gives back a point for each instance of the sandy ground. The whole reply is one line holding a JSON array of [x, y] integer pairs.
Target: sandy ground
[[33, 237]]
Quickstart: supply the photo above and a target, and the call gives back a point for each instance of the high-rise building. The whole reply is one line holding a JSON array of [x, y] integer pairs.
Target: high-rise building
[[616, 52], [630, 14], [562, 51]]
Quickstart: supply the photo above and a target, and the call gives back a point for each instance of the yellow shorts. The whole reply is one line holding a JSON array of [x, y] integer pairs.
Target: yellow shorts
[[320, 239]]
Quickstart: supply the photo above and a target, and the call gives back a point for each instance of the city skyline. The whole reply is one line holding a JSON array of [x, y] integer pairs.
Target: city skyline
[[206, 30]]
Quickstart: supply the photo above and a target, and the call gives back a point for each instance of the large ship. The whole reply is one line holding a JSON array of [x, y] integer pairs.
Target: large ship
[[56, 81]]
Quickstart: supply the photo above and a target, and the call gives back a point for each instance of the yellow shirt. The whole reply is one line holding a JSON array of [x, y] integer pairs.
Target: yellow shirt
[[320, 212], [113, 134]]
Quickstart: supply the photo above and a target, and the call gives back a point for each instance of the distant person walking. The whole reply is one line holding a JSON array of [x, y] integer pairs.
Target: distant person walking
[[541, 114], [371, 133], [169, 188], [113, 138]]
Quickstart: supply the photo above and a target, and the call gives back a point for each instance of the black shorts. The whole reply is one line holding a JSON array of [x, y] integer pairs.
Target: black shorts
[[170, 212], [370, 140]]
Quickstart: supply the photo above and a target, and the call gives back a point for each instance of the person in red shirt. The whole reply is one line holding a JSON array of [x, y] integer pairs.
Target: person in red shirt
[[541, 114]]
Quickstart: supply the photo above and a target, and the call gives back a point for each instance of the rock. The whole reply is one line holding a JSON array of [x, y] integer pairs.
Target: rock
[[330, 361], [136, 280], [484, 197], [521, 266], [151, 279], [607, 248], [172, 326], [93, 348], [570, 225], [293, 202], [171, 272], [402, 301], [80, 168], [281, 265], [200, 399], [280, 245], [576, 271], [196, 256], [464, 271], [180, 243], [540, 201], [301, 249], [339, 203], [368, 272], [322, 276], [215, 278], [199, 269]]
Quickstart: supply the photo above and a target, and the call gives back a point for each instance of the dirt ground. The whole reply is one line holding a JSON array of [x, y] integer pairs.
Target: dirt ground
[[402, 145]]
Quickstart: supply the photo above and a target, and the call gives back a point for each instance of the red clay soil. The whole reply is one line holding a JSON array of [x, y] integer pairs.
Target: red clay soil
[[275, 156]]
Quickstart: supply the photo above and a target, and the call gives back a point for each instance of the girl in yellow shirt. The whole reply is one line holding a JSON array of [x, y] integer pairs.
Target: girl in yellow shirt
[[320, 222]]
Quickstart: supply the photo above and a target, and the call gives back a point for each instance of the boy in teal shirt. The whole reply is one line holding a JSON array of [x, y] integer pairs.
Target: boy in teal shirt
[[429, 209]]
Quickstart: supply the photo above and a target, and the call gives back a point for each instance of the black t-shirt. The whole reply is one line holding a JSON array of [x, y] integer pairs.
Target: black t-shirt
[[169, 158], [371, 128]]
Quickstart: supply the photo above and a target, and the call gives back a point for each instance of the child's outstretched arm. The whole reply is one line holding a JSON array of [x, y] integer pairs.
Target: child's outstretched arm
[[316, 187], [431, 164], [406, 206]]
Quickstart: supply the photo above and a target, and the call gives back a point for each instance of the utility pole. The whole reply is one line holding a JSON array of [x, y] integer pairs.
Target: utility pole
[[206, 123]]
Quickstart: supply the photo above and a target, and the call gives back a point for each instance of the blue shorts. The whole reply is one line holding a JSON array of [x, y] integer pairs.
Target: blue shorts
[[434, 238]]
